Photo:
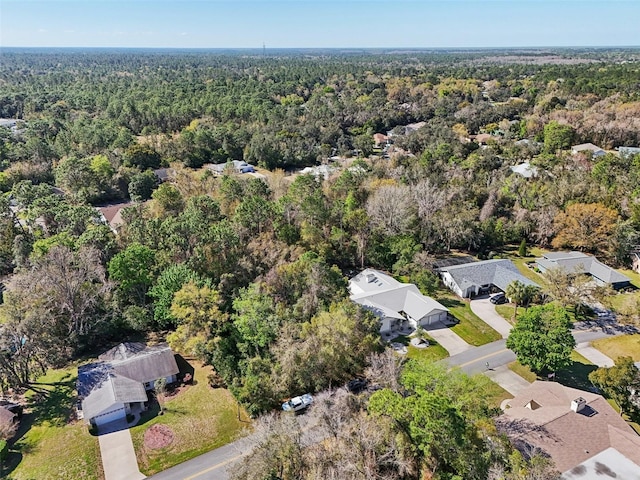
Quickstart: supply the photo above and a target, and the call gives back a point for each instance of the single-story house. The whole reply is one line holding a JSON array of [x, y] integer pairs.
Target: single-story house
[[323, 171], [578, 262], [579, 430], [238, 165], [380, 139], [470, 279], [525, 170], [628, 151], [397, 305], [112, 215], [109, 388], [165, 174], [635, 259], [595, 150]]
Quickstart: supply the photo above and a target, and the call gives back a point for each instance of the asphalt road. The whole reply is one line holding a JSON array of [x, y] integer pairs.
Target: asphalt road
[[209, 466], [212, 465]]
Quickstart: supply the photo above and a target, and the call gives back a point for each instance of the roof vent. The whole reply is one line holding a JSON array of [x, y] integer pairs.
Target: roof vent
[[578, 404], [532, 405], [371, 278]]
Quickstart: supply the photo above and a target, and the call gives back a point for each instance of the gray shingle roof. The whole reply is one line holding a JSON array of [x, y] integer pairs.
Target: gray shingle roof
[[499, 272], [579, 262], [120, 374]]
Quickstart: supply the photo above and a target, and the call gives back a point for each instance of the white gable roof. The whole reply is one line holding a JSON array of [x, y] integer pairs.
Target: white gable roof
[[387, 297]]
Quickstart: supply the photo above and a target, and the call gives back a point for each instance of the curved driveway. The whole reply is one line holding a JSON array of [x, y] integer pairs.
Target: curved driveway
[[486, 310]]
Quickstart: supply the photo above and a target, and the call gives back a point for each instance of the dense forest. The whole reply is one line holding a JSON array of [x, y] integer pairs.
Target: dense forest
[[249, 273]]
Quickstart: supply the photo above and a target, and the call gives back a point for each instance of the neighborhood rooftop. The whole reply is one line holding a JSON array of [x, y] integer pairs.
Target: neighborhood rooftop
[[578, 262], [391, 300], [121, 377], [467, 279], [572, 426]]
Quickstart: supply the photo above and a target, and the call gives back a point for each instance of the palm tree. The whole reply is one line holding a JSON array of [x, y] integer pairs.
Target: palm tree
[[516, 293], [520, 294]]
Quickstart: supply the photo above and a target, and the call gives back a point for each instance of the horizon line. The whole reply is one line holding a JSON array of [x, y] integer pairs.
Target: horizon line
[[513, 47]]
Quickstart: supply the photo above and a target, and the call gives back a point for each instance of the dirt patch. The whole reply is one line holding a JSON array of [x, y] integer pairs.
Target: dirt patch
[[158, 436]]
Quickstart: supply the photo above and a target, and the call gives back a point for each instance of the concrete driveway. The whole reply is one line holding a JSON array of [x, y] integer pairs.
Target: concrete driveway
[[451, 342], [507, 379], [486, 310], [593, 355], [118, 456]]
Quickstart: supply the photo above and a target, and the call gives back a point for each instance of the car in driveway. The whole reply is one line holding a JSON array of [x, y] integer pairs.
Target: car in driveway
[[298, 404], [498, 299]]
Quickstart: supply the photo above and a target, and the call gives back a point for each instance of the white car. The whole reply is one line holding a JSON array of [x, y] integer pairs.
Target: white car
[[297, 404]]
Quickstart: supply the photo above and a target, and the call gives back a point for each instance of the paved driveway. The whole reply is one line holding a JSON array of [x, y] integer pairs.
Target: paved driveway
[[593, 355], [451, 342], [507, 379], [118, 456], [486, 310]]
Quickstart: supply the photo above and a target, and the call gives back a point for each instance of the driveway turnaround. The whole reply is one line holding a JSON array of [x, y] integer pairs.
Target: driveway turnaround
[[594, 355], [486, 310], [507, 379], [451, 342], [118, 456]]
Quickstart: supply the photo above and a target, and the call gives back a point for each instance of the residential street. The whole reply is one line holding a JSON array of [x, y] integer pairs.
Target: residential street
[[212, 465]]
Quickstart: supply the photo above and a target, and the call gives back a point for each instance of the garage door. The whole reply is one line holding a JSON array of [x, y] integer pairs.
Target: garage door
[[109, 417]]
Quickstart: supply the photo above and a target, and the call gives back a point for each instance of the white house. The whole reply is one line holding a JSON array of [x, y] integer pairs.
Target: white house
[[595, 150], [578, 262], [110, 388], [397, 305], [470, 279]]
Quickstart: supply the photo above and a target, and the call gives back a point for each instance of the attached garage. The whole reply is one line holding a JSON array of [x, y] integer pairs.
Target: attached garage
[[114, 414]]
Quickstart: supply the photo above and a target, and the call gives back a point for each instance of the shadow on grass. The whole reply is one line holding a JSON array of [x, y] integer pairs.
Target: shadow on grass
[[53, 405], [451, 302], [50, 403], [577, 376]]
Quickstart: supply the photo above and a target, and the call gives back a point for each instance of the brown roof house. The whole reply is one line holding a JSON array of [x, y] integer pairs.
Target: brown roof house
[[109, 388], [380, 139], [579, 430]]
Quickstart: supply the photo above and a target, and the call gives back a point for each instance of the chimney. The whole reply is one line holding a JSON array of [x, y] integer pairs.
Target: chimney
[[578, 404]]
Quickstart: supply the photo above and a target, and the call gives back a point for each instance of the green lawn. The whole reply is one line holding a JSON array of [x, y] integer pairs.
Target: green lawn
[[634, 276], [201, 418], [433, 352], [522, 370], [521, 263], [496, 394], [470, 327], [50, 445], [576, 375], [506, 311], [620, 346]]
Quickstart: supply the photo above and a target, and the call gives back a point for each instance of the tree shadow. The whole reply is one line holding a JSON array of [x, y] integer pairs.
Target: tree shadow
[[53, 405], [577, 376], [450, 302]]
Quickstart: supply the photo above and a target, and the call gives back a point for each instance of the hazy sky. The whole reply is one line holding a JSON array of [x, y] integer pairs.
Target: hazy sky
[[316, 23]]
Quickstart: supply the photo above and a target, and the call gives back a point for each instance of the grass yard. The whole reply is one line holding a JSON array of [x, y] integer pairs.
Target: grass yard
[[621, 346], [634, 276], [506, 311], [522, 370], [521, 263], [49, 446], [201, 419], [575, 376], [433, 352], [496, 394], [471, 328]]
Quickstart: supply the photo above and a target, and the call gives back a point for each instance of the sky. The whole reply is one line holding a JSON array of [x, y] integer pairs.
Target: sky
[[318, 24]]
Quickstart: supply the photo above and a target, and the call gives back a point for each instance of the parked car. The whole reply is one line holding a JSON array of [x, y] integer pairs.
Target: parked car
[[357, 385], [298, 404], [498, 299]]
